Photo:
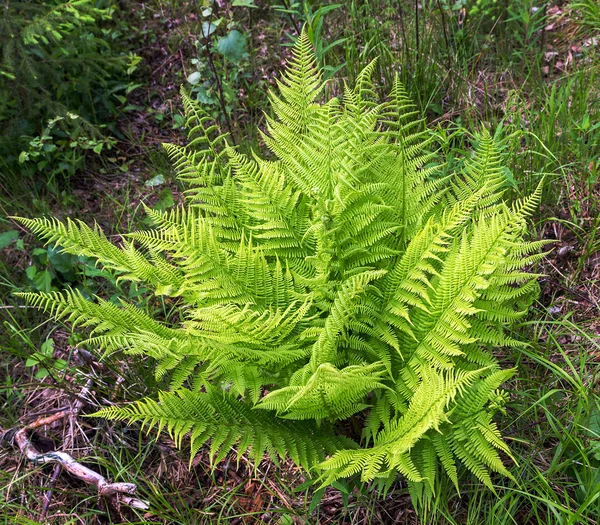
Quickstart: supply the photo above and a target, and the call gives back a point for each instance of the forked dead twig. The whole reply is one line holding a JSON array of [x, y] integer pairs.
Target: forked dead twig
[[124, 491]]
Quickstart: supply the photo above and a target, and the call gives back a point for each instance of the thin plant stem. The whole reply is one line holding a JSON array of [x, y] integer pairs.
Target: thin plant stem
[[417, 43], [292, 19], [220, 92], [448, 57]]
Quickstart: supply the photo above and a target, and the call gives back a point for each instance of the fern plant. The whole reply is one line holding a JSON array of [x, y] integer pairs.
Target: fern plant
[[338, 281]]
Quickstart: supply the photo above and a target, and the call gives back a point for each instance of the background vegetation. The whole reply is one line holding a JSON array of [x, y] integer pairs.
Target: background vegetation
[[88, 91]]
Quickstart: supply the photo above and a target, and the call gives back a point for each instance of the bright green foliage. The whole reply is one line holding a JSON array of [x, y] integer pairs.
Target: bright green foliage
[[339, 277]]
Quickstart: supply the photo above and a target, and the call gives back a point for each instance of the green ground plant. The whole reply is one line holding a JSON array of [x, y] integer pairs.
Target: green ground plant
[[344, 282], [63, 74], [463, 71], [221, 67]]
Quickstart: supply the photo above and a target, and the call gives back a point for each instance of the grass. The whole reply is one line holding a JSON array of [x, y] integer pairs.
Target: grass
[[526, 70]]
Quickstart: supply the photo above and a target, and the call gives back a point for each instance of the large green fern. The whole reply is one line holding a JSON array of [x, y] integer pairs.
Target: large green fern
[[338, 277]]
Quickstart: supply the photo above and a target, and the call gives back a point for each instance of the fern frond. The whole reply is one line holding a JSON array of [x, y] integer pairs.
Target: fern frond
[[403, 121], [364, 91], [76, 238], [269, 201], [204, 135], [116, 328], [483, 170], [224, 420], [299, 88], [391, 449], [328, 394], [342, 311], [232, 324]]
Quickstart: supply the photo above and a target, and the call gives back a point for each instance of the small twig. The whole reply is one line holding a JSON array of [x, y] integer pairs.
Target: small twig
[[66, 461], [90, 360], [16, 307], [182, 63], [292, 20], [164, 63], [48, 495], [77, 406], [417, 29], [78, 470], [404, 37], [44, 413]]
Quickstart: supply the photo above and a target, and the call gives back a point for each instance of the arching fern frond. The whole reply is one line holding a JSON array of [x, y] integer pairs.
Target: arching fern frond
[[328, 394], [225, 421], [79, 239]]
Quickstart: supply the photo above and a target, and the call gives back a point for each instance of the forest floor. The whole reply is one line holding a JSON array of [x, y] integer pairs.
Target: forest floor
[[532, 80]]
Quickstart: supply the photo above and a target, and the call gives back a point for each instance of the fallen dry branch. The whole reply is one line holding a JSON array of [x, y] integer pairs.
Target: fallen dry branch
[[124, 491]]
